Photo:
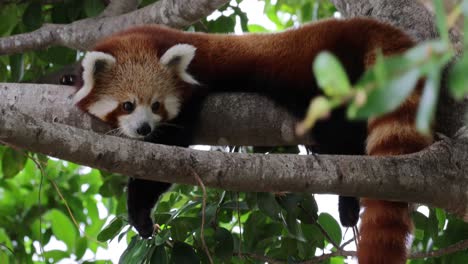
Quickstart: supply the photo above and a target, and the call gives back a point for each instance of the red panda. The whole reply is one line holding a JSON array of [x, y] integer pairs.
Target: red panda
[[148, 83]]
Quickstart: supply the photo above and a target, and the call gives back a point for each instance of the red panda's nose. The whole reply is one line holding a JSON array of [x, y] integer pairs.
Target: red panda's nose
[[144, 129]]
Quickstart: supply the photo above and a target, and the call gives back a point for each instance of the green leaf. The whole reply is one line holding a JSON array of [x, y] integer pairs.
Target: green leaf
[[6, 248], [93, 7], [74, 9], [58, 55], [182, 227], [330, 75], [428, 102], [135, 252], [161, 237], [290, 202], [441, 20], [8, 16], [432, 224], [294, 227], [255, 28], [13, 162], [441, 218], [17, 67], [159, 256], [312, 235], [268, 205], [223, 24], [336, 260], [56, 255], [458, 79], [184, 254], [319, 108], [309, 206], [81, 246], [32, 16], [3, 72], [111, 230], [63, 228], [331, 226], [420, 224], [59, 14], [387, 98], [224, 246]]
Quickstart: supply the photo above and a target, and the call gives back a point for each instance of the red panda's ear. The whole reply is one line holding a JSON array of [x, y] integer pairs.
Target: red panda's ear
[[93, 63], [178, 57]]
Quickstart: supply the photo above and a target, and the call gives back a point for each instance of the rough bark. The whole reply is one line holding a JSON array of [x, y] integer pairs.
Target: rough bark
[[436, 176], [409, 15], [222, 122], [82, 34], [117, 7]]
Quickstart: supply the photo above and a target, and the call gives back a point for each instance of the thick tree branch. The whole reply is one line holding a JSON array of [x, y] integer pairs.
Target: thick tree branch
[[82, 34], [117, 7], [436, 176], [409, 15], [460, 246], [222, 122]]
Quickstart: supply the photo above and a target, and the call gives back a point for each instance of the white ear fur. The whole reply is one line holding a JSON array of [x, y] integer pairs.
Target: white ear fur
[[179, 57], [89, 66], [172, 105], [103, 107]]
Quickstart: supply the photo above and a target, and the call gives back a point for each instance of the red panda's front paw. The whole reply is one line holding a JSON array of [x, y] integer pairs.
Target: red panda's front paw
[[142, 223], [145, 230]]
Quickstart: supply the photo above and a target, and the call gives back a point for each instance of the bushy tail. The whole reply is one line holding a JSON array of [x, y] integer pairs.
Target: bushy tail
[[386, 226]]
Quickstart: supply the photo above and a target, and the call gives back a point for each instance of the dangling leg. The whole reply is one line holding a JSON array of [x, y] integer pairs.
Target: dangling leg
[[141, 198]]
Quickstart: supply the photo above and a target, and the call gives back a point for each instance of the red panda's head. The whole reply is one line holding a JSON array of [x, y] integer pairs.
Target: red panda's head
[[133, 88]]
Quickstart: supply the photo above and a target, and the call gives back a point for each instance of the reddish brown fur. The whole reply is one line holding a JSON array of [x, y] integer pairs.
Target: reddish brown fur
[[385, 225], [283, 61]]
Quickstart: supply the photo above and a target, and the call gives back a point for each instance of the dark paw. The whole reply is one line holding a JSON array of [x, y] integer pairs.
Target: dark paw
[[143, 224], [145, 230], [349, 210]]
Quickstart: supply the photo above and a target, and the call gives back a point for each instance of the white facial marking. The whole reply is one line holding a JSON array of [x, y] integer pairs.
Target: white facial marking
[[179, 57], [103, 107], [88, 63], [172, 105], [131, 122]]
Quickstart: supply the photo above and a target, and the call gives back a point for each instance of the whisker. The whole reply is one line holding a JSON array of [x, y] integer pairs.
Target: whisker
[[115, 130]]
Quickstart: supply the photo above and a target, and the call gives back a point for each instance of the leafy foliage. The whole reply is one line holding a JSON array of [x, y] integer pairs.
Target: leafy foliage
[[43, 200]]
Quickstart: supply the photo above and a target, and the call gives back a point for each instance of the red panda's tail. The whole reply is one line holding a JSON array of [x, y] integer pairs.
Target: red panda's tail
[[385, 225]]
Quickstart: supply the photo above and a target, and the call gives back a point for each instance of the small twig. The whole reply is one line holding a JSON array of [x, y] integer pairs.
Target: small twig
[[240, 224], [356, 236], [338, 253], [262, 258], [40, 216], [347, 243], [202, 229], [314, 260], [459, 246], [70, 213]]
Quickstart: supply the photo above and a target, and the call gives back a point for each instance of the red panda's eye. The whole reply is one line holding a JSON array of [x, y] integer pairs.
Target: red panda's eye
[[128, 106], [155, 106]]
